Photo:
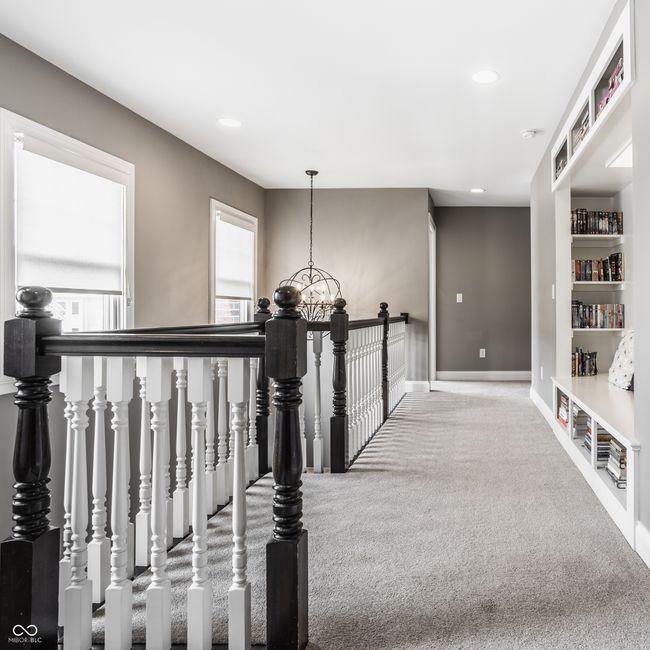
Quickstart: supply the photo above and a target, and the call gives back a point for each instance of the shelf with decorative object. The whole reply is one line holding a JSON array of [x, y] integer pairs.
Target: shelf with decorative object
[[606, 87]]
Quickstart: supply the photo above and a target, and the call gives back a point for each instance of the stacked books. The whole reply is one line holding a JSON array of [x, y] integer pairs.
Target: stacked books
[[602, 444], [590, 222], [606, 269], [580, 422], [597, 316], [617, 463], [563, 410], [583, 364]]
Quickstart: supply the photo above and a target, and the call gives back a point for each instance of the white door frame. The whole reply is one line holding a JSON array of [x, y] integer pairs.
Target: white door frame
[[432, 299]]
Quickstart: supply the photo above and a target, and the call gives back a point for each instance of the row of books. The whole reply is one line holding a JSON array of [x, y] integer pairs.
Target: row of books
[[597, 316], [610, 453], [617, 463], [606, 269], [590, 222], [563, 409], [602, 443], [583, 364]]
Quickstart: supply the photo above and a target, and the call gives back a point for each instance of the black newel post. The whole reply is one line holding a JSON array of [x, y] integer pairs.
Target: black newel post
[[339, 420], [383, 313], [286, 552], [29, 572], [262, 396]]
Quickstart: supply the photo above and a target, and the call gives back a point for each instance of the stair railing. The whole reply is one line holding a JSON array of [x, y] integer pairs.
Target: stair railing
[[39, 589]]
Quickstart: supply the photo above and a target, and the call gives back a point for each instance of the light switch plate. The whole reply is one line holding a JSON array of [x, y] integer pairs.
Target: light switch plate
[[459, 297], [481, 353]]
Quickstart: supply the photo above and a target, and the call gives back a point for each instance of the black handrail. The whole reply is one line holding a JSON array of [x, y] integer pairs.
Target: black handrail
[[151, 345]]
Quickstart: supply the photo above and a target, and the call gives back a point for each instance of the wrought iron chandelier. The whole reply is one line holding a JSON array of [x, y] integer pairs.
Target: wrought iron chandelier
[[318, 288]]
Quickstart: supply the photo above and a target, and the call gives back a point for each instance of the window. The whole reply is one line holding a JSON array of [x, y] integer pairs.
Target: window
[[233, 254], [66, 224]]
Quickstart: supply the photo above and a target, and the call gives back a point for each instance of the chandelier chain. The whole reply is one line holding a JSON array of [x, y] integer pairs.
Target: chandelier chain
[[311, 220]]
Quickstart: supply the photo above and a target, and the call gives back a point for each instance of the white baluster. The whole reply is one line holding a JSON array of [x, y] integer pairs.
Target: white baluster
[[79, 380], [303, 435], [318, 438], [169, 503], [158, 612], [199, 594], [65, 569], [181, 496], [212, 497], [99, 548], [239, 595], [118, 627], [252, 458], [222, 449], [143, 518]]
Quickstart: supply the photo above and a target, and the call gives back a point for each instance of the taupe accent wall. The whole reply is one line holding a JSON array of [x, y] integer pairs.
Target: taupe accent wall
[[373, 240], [173, 186], [483, 253]]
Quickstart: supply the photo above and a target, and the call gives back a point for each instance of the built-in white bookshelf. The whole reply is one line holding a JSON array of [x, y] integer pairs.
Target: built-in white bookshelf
[[592, 180]]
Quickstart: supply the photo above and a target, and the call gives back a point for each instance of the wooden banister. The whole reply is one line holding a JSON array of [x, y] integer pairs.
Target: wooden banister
[[286, 552], [29, 558]]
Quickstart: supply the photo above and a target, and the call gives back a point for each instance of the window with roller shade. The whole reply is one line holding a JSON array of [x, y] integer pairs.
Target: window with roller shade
[[67, 211], [233, 262]]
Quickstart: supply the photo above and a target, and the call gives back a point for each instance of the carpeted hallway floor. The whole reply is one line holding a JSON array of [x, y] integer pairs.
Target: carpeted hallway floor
[[462, 525]]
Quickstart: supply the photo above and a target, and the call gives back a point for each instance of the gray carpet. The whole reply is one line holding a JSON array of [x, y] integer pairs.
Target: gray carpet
[[462, 525]]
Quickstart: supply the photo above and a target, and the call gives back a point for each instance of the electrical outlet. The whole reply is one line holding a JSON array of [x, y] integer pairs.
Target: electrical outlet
[[541, 373], [459, 297], [481, 353]]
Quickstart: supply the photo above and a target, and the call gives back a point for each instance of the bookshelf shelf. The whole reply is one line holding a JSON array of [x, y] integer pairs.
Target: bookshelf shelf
[[599, 285], [593, 240], [600, 330]]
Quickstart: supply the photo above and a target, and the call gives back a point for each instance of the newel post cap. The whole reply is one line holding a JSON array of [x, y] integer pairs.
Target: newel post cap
[[287, 299], [34, 302], [263, 306], [383, 310]]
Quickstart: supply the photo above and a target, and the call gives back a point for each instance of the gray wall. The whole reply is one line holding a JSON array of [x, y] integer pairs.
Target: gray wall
[[173, 186], [483, 253], [374, 241]]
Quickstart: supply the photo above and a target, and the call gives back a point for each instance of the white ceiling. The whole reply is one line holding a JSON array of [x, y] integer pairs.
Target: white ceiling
[[373, 93]]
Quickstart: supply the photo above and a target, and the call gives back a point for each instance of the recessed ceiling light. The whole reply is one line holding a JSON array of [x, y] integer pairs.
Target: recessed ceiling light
[[529, 134], [485, 77], [230, 122], [623, 158], [477, 190]]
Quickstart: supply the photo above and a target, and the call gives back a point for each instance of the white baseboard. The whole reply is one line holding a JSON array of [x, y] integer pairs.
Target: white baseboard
[[483, 375], [542, 406], [416, 386], [642, 542]]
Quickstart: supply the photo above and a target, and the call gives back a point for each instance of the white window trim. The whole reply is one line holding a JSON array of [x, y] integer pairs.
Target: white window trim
[[237, 218], [77, 154]]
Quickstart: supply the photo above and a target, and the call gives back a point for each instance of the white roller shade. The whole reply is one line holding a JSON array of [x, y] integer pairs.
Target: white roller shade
[[235, 250], [69, 226]]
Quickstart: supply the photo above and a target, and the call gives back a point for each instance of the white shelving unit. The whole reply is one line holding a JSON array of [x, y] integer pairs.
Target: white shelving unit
[[613, 410], [589, 140]]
